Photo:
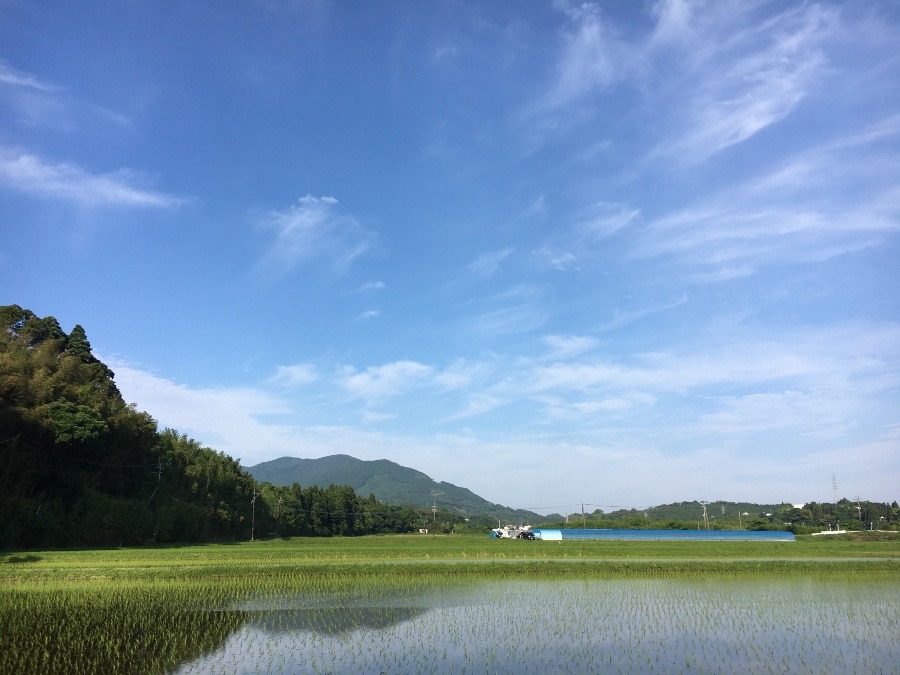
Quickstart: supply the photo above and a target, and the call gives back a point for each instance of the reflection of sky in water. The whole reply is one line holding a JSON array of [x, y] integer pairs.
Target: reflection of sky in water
[[331, 620], [336, 613], [633, 626]]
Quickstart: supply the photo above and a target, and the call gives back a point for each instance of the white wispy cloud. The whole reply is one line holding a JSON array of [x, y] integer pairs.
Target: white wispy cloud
[[66, 181], [226, 418], [513, 319], [444, 54], [556, 258], [39, 103], [813, 413], [295, 375], [598, 409], [862, 160], [487, 264], [371, 287], [727, 241], [717, 72], [461, 374], [378, 383], [514, 309], [585, 235], [715, 75], [810, 383], [814, 355], [794, 212], [743, 74], [624, 318], [564, 347], [746, 364], [604, 219], [675, 21], [430, 390], [593, 58], [313, 229], [476, 404], [12, 77]]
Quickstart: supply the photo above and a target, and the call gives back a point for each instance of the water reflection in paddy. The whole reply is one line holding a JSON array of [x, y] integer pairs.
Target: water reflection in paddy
[[630, 626]]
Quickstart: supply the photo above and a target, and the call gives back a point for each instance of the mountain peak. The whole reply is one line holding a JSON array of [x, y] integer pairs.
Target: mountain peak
[[390, 482]]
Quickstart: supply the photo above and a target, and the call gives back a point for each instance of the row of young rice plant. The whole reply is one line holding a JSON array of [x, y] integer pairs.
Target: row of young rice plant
[[289, 556], [122, 627]]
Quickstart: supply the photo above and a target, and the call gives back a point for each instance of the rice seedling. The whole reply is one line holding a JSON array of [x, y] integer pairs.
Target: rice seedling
[[405, 604]]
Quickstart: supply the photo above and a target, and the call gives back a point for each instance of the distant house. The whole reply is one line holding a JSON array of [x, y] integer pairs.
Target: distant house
[[798, 506]]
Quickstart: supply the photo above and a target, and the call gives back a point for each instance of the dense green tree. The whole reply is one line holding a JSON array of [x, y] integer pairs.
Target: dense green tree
[[67, 440], [71, 422]]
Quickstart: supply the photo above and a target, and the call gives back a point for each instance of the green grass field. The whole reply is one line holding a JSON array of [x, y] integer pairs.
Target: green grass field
[[454, 554]]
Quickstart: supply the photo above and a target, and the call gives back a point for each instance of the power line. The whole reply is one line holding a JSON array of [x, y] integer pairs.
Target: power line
[[159, 467], [568, 506]]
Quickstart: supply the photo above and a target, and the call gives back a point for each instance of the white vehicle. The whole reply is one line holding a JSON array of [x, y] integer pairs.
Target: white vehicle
[[512, 532]]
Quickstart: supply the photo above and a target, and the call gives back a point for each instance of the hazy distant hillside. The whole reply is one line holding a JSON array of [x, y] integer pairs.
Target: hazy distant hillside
[[388, 481]]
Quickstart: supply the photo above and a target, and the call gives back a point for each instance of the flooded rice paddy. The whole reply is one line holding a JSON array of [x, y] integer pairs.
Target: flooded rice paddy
[[790, 625]]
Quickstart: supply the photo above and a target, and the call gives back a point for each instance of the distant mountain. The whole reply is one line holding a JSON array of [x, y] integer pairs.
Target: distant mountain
[[390, 482]]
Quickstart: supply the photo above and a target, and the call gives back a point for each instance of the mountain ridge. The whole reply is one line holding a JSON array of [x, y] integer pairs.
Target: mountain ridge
[[390, 482]]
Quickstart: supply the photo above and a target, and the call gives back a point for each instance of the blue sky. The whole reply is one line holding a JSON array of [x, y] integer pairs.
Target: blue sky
[[621, 253]]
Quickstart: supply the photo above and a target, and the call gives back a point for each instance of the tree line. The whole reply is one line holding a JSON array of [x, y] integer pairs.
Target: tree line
[[806, 519], [79, 467]]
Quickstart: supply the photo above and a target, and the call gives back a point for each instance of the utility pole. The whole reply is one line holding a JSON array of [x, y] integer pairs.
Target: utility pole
[[834, 490], [253, 517], [278, 516], [159, 467], [705, 517], [434, 518]]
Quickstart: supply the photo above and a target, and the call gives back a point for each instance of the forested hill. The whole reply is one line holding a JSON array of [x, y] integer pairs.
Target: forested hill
[[79, 467], [390, 482]]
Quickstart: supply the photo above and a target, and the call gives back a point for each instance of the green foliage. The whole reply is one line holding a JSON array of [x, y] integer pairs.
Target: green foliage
[[336, 510], [74, 455], [72, 422], [201, 495]]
